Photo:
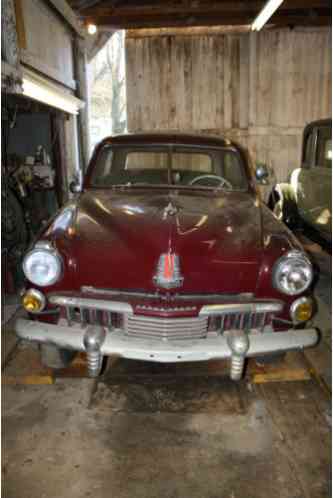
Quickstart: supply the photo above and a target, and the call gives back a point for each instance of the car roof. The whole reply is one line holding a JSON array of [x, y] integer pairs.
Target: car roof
[[165, 138], [318, 122]]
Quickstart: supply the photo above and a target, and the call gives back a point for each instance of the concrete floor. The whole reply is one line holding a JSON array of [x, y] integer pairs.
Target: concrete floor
[[153, 437], [75, 439]]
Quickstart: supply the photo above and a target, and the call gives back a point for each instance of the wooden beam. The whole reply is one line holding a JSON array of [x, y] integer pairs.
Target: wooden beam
[[189, 7], [11, 78], [81, 68], [85, 4], [147, 14], [20, 28], [96, 42], [161, 21], [62, 7], [9, 42], [165, 9], [193, 31], [311, 17]]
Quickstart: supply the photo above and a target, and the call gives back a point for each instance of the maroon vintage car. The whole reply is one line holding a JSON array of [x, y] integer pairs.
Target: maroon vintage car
[[167, 255]]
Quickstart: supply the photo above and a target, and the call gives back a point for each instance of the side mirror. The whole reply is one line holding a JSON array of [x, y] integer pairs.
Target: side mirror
[[75, 187], [262, 173]]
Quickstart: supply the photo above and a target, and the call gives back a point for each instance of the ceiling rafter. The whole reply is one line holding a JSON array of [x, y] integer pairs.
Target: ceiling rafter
[[127, 14]]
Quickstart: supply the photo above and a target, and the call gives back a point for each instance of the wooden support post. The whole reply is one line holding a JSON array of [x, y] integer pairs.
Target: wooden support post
[[11, 76], [81, 68]]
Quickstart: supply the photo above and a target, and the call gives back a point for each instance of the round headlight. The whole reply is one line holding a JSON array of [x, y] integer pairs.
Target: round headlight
[[42, 266], [292, 273]]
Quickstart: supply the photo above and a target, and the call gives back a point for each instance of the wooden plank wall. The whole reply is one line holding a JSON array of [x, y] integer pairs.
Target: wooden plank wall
[[46, 43], [258, 88]]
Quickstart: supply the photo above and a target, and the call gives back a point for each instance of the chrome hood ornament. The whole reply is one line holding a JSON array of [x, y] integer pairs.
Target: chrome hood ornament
[[168, 274], [170, 210]]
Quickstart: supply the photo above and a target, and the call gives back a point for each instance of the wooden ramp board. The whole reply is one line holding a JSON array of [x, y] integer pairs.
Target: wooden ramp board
[[319, 362], [25, 368], [292, 367]]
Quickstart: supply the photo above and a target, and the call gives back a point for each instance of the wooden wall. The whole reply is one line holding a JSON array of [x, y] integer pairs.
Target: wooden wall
[[258, 88], [45, 41]]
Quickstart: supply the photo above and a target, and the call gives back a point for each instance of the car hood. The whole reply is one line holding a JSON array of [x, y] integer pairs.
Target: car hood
[[118, 237]]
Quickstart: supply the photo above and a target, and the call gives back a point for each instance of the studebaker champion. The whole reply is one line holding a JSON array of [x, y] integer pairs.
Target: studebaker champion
[[168, 255]]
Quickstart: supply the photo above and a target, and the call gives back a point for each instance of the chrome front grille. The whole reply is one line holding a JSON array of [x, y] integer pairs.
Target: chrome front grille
[[85, 316], [165, 328], [82, 310], [239, 321], [211, 319]]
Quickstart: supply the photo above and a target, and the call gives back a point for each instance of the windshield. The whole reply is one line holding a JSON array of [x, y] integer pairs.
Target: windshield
[[169, 165]]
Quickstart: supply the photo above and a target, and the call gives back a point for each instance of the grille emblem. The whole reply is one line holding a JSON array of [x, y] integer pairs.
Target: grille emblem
[[168, 275]]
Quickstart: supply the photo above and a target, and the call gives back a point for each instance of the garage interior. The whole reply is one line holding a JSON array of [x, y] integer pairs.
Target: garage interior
[[144, 429]]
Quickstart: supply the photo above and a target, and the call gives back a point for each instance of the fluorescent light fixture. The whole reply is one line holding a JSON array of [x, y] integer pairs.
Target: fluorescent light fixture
[[266, 12], [38, 88], [92, 29]]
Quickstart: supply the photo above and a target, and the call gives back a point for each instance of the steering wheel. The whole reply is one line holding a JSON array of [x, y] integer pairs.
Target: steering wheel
[[222, 180]]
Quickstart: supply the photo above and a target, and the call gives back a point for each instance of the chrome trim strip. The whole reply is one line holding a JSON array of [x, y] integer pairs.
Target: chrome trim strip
[[159, 296], [91, 304], [118, 344], [221, 309]]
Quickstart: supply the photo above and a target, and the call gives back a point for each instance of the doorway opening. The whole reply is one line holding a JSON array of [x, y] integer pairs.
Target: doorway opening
[[108, 90]]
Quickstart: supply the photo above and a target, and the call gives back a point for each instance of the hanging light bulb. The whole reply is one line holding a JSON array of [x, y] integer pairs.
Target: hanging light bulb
[[92, 29]]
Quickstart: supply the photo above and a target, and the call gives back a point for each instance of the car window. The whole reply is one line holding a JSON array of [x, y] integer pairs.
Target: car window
[[187, 161], [175, 165], [146, 160], [183, 161], [324, 148], [307, 160]]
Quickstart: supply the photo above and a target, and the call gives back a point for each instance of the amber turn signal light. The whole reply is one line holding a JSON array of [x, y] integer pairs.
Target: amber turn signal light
[[33, 301], [301, 310]]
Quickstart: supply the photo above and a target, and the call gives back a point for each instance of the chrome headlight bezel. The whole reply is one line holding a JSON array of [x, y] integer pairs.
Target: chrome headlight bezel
[[299, 259], [47, 250]]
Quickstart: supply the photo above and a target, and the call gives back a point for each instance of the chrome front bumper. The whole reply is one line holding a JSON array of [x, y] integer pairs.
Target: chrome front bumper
[[236, 345]]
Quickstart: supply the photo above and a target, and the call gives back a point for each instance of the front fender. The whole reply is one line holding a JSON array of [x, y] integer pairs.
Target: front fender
[[277, 241], [286, 196], [286, 192]]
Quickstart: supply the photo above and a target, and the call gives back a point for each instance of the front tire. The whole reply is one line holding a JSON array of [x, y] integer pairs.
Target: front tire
[[270, 359], [14, 234], [54, 357]]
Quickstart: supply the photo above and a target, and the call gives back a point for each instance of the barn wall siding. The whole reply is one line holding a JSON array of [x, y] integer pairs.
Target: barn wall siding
[[258, 88], [46, 42]]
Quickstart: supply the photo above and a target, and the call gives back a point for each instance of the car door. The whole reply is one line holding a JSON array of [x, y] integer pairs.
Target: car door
[[323, 184], [313, 180]]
